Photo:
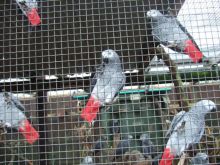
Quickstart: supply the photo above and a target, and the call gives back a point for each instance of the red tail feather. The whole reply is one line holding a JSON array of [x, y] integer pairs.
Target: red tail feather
[[33, 17], [89, 113], [167, 157], [194, 53], [30, 134]]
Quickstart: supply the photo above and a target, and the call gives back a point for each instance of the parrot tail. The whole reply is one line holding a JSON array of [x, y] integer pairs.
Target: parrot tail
[[30, 134], [194, 53], [89, 113], [33, 17], [167, 157]]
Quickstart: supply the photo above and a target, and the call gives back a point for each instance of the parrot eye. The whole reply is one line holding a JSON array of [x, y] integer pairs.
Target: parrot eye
[[106, 60]]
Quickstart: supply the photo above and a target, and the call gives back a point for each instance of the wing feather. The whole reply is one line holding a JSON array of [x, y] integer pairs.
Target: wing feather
[[177, 118]]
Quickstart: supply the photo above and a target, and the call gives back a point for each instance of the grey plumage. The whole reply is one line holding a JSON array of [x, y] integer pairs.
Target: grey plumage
[[177, 118], [11, 110], [123, 145], [26, 5], [30, 10], [11, 116], [94, 76], [167, 29], [187, 128], [15, 101], [109, 78], [200, 159], [100, 145], [147, 146]]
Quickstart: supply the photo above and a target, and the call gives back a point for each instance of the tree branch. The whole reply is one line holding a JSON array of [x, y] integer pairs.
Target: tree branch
[[179, 91]]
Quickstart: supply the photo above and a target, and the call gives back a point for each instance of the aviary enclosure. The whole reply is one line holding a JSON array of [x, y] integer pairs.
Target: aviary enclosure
[[109, 82]]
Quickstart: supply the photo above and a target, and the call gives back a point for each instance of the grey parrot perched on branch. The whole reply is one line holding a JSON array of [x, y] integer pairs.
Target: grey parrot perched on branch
[[12, 116], [168, 31], [30, 9], [123, 146], [186, 129], [100, 145], [147, 146], [200, 159], [109, 80]]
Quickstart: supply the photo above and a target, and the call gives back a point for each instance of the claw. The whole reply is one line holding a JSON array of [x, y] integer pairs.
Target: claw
[[182, 159], [172, 45], [4, 130], [209, 131]]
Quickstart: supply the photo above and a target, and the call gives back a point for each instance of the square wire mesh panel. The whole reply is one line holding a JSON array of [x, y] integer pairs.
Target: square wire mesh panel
[[102, 82]]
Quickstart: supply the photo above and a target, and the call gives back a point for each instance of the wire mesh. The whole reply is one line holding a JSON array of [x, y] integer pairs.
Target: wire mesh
[[52, 59]]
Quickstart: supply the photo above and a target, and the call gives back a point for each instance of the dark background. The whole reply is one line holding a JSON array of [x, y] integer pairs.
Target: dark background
[[72, 35]]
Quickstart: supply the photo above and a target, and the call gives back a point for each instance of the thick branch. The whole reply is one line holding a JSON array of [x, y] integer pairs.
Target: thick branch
[[179, 91]]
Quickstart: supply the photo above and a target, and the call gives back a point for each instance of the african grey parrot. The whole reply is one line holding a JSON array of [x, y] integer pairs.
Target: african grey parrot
[[109, 79], [169, 32], [186, 129], [100, 145], [123, 146], [146, 145], [11, 115], [200, 159], [30, 9]]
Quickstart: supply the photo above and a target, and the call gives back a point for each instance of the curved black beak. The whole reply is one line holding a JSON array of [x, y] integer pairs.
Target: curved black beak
[[106, 60], [214, 109]]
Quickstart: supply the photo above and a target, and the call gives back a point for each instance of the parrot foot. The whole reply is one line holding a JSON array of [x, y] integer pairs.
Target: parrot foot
[[168, 123], [3, 127], [107, 108], [172, 45], [182, 159]]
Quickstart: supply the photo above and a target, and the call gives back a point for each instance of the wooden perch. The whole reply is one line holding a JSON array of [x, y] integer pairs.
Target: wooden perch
[[182, 159], [179, 91]]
